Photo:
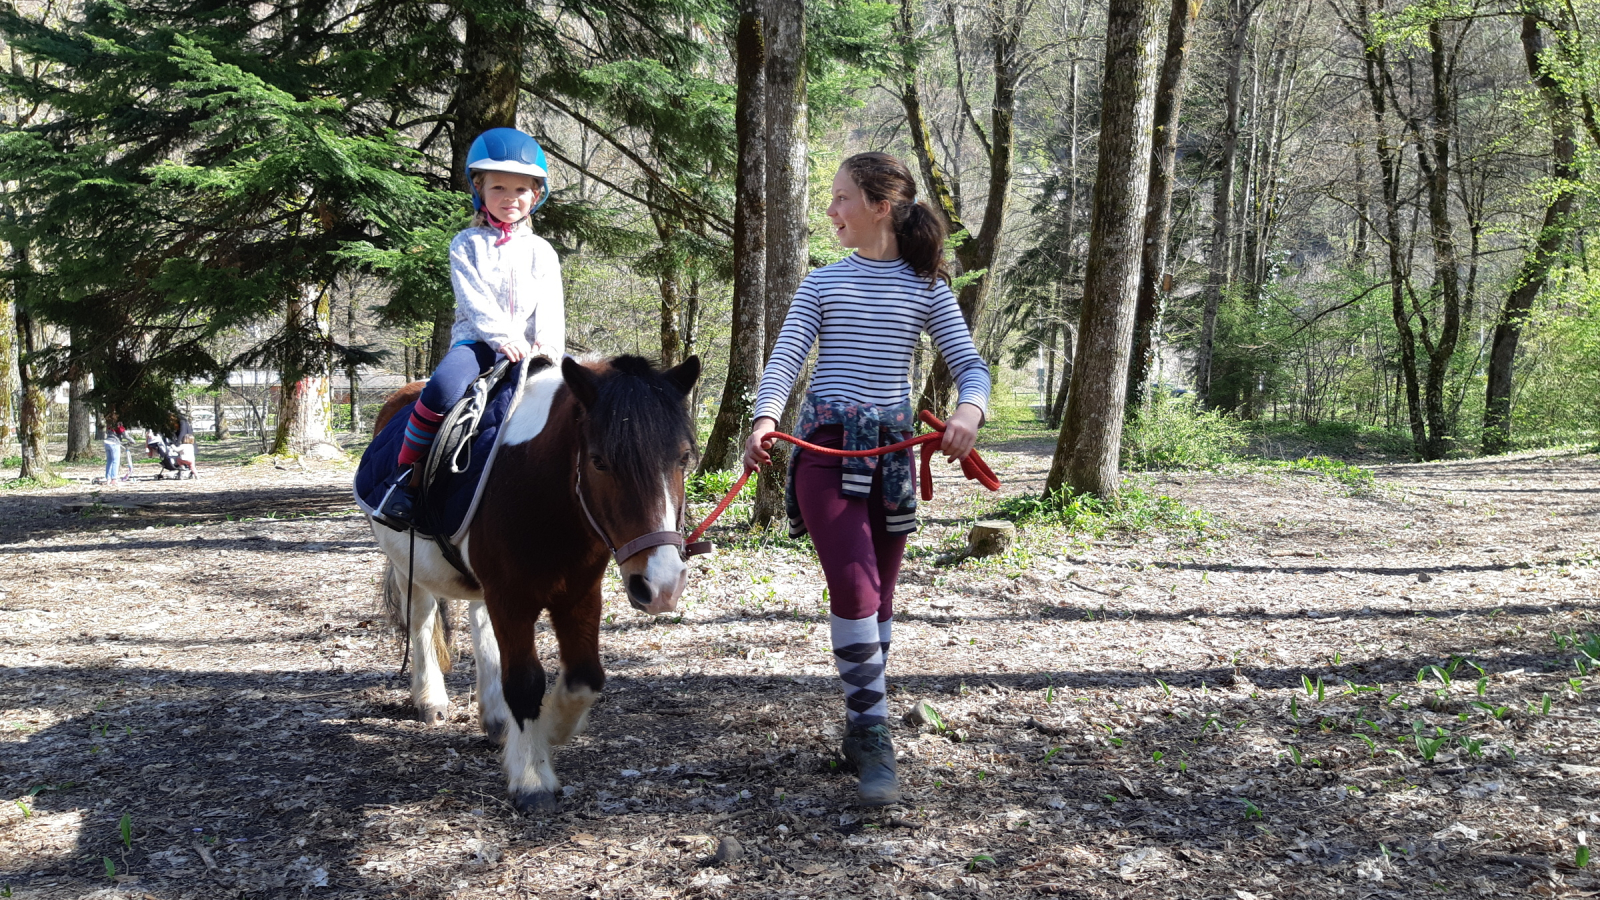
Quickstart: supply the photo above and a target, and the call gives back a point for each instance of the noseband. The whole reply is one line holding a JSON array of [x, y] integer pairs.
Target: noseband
[[645, 542]]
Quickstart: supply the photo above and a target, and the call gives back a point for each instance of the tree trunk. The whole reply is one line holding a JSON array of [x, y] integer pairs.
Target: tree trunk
[[1535, 268], [1158, 212], [80, 419], [8, 369], [1374, 71], [746, 346], [352, 374], [219, 415], [979, 252], [305, 404], [671, 295], [1240, 13], [486, 97], [788, 180], [31, 428], [934, 182], [1086, 458], [1447, 277]]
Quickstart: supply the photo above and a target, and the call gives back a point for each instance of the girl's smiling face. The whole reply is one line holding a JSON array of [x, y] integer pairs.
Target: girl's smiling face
[[857, 222], [509, 196]]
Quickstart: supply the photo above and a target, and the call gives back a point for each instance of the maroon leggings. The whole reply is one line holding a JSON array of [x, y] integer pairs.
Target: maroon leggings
[[860, 558]]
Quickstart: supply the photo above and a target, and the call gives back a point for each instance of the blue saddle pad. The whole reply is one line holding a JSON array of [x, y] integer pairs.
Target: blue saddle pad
[[452, 496]]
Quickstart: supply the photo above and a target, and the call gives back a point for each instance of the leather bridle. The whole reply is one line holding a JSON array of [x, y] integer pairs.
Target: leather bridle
[[644, 542]]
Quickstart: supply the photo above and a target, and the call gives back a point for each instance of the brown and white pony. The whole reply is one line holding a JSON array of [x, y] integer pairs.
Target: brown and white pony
[[619, 433]]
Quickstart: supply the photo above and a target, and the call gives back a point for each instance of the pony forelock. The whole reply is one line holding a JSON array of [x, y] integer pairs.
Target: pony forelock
[[638, 422]]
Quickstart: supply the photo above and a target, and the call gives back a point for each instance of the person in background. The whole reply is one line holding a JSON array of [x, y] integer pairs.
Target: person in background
[[186, 457], [115, 444]]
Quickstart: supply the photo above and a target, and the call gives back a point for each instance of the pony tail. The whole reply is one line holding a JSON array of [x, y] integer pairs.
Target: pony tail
[[921, 235]]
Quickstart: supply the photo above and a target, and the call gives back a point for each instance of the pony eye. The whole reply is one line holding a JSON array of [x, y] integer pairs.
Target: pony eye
[[597, 462]]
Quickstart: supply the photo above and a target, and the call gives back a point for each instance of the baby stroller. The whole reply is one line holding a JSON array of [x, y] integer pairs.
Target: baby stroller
[[168, 454]]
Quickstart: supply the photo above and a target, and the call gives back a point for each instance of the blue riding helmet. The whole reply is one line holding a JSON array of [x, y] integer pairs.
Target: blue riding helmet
[[506, 150]]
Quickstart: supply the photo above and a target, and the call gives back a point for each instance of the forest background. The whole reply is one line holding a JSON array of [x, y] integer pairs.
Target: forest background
[[1355, 215]]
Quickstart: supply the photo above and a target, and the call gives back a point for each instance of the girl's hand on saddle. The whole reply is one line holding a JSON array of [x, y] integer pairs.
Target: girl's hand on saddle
[[755, 448], [515, 350], [961, 432]]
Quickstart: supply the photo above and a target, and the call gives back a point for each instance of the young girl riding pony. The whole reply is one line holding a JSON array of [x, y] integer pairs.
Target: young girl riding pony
[[507, 282], [868, 311]]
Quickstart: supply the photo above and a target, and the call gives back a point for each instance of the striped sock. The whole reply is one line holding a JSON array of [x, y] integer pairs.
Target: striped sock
[[859, 655], [884, 627], [420, 432]]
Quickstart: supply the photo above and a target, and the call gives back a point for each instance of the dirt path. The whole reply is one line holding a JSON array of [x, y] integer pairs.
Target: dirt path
[[1134, 717]]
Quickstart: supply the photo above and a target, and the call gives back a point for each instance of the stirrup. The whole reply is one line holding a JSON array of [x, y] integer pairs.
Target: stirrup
[[397, 508]]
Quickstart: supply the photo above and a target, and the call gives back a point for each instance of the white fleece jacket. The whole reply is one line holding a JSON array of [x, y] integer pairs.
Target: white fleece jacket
[[507, 292]]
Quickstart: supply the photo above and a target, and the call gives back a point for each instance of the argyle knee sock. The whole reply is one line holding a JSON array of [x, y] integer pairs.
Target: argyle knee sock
[[858, 653], [420, 432], [884, 628]]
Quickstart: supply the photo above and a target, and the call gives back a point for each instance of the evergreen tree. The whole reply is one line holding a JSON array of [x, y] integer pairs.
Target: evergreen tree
[[199, 168]]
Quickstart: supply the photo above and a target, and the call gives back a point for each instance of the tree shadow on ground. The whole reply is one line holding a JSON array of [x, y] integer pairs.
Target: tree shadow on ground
[[46, 515], [290, 781]]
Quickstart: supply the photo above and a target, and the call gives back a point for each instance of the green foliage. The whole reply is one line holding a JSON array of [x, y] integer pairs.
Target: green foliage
[[1556, 396], [711, 487], [1133, 510], [194, 181], [1175, 433], [1357, 479]]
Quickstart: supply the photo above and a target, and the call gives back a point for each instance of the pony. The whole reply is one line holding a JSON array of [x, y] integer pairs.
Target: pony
[[592, 458]]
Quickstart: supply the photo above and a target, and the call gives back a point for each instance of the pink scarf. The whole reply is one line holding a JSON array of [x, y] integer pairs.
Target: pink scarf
[[505, 227]]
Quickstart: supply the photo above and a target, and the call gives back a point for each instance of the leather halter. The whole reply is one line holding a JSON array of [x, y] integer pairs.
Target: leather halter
[[645, 542]]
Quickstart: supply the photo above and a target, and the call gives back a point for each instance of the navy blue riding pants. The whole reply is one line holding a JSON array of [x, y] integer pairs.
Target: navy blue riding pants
[[456, 372]]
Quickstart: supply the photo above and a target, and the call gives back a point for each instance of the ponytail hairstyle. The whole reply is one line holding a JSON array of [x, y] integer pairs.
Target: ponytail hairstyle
[[919, 230]]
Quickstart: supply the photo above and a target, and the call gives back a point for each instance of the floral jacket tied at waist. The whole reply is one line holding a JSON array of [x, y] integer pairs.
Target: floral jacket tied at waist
[[866, 427]]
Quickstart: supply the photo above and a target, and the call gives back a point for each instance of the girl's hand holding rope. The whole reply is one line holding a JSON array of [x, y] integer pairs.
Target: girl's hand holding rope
[[759, 442], [972, 465]]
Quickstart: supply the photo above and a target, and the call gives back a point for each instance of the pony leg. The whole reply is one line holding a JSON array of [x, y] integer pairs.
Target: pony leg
[[428, 657], [566, 709], [493, 713], [531, 779]]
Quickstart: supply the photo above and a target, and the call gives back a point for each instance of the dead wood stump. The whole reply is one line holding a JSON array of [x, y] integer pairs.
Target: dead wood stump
[[990, 537]]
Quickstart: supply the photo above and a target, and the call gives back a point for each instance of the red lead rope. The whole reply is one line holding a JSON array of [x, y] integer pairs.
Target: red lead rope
[[972, 465]]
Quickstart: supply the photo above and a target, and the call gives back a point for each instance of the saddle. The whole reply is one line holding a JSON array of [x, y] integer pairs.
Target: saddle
[[453, 472], [451, 455]]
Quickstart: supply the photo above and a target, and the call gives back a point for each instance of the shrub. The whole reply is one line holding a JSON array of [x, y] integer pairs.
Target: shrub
[[1174, 433], [1359, 480], [1133, 510], [712, 486]]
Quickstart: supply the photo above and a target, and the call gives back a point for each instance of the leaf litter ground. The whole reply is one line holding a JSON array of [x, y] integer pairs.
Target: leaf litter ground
[[197, 701]]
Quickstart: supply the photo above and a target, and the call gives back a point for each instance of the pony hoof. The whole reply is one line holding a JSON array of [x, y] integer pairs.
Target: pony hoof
[[495, 730], [530, 802], [433, 715]]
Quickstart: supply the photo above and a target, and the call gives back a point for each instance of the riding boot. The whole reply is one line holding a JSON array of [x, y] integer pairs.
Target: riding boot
[[397, 509], [871, 751]]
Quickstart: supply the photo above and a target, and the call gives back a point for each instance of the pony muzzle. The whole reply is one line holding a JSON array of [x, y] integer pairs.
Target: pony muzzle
[[655, 579]]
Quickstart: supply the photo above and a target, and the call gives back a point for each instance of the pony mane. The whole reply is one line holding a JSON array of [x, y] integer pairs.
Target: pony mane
[[638, 421]]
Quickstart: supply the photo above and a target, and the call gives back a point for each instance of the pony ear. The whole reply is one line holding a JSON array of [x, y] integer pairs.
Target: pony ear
[[684, 375], [581, 381]]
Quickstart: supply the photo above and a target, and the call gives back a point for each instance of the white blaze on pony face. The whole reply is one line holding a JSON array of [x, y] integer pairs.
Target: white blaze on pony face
[[655, 578], [533, 413]]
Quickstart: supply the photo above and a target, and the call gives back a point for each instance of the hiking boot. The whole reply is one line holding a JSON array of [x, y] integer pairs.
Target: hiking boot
[[870, 750], [397, 509]]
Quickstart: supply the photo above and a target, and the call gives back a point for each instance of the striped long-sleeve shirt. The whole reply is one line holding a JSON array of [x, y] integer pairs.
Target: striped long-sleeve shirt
[[868, 315]]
